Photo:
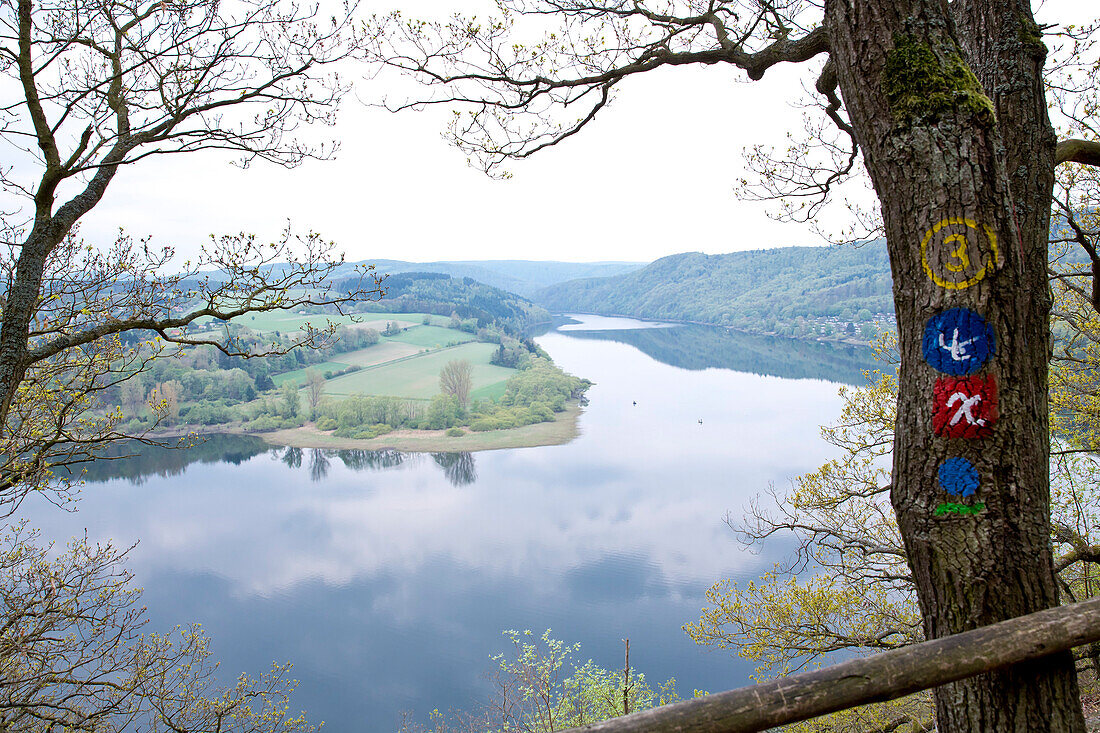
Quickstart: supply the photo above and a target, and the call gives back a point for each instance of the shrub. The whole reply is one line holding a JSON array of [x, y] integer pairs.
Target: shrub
[[365, 432], [264, 382], [542, 411], [360, 410], [455, 432], [483, 424], [542, 381], [216, 415], [444, 411], [264, 424]]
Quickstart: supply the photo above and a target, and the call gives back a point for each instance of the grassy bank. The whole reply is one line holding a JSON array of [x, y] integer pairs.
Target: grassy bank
[[562, 430]]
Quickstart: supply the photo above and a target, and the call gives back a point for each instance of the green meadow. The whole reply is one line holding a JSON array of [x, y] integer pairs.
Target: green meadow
[[432, 337], [417, 376], [380, 353], [299, 375], [406, 365]]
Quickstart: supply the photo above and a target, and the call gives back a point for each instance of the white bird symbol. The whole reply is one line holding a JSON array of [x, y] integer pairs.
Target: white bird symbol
[[956, 348]]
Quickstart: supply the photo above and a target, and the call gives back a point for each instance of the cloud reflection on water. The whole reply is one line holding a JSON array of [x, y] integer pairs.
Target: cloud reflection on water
[[388, 577]]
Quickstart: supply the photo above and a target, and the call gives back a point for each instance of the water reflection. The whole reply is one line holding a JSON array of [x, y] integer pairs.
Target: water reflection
[[137, 463], [707, 347], [388, 578], [318, 464], [459, 468], [292, 457], [373, 460]]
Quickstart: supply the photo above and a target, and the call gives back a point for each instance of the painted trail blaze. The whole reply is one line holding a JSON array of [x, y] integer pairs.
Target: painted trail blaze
[[958, 477], [957, 341], [964, 407], [957, 253]]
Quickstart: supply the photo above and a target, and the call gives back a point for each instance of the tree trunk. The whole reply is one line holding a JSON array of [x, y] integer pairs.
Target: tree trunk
[[19, 304], [948, 106]]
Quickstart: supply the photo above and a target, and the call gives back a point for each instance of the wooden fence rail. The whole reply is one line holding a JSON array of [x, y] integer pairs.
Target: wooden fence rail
[[884, 676]]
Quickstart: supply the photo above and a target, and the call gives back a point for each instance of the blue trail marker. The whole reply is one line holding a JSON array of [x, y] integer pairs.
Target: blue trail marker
[[958, 341], [958, 477]]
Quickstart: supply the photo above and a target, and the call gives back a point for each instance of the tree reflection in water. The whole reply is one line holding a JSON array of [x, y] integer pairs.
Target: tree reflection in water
[[293, 457], [318, 464], [138, 461], [459, 468], [365, 460]]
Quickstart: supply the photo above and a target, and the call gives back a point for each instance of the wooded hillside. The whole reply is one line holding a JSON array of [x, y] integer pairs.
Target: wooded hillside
[[441, 294], [750, 290]]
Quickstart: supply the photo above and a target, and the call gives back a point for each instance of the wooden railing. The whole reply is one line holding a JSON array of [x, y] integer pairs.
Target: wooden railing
[[881, 677]]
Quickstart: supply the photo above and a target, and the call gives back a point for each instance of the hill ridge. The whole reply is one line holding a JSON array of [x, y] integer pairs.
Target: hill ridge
[[776, 290]]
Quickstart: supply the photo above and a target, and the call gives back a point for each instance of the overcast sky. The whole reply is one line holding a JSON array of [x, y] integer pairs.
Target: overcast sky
[[652, 176]]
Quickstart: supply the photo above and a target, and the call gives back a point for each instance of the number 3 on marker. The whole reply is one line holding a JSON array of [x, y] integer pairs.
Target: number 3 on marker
[[959, 254], [946, 248]]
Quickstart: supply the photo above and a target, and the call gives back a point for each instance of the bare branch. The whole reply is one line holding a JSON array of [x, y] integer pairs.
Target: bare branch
[[519, 98]]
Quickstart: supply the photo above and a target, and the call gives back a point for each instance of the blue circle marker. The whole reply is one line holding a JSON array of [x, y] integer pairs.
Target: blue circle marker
[[958, 477], [958, 341]]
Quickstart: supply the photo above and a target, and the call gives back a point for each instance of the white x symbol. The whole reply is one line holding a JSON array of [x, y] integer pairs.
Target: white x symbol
[[965, 408]]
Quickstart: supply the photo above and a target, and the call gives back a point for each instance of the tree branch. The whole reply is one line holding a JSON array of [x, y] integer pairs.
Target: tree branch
[[1085, 152]]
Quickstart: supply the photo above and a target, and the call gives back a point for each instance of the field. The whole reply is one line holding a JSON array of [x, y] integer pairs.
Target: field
[[299, 375], [290, 321], [432, 337], [382, 352], [417, 376], [489, 392], [387, 350], [406, 365]]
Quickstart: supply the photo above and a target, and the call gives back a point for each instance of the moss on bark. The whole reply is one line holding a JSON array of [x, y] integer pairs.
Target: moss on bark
[[922, 85], [1029, 32]]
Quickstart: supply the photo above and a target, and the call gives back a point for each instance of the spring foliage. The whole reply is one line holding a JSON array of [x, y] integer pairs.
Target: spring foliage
[[540, 686]]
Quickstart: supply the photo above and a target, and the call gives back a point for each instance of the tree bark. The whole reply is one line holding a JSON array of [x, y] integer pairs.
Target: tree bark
[[949, 109]]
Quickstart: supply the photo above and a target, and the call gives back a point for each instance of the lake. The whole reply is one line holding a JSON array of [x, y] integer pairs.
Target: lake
[[387, 578]]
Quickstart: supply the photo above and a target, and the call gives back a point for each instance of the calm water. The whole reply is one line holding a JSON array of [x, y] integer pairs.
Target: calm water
[[387, 578]]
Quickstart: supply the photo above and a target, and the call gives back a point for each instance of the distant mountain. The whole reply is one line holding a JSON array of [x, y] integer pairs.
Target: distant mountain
[[742, 289], [523, 277]]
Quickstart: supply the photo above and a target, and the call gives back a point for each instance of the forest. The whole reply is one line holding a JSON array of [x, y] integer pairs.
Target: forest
[[441, 294], [790, 291]]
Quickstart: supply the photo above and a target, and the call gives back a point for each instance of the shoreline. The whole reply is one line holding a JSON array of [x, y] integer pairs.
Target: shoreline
[[564, 429]]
